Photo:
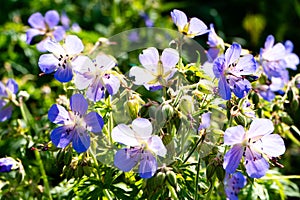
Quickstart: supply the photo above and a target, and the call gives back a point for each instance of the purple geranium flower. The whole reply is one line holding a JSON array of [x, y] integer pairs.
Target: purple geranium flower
[[231, 69], [257, 145], [156, 71], [143, 147], [76, 124], [233, 183], [268, 91], [191, 28], [275, 59], [7, 93], [96, 76], [61, 58], [7, 164], [216, 44], [45, 27]]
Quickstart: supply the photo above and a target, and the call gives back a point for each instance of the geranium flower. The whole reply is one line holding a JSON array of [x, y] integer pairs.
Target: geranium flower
[[7, 93], [45, 28], [191, 28], [7, 164], [96, 76], [231, 69], [275, 59], [233, 183], [156, 71], [143, 147], [61, 58], [257, 145], [75, 124]]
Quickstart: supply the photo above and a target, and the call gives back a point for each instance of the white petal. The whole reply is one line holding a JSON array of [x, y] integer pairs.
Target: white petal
[[260, 127], [125, 135], [149, 59], [169, 59], [234, 135], [81, 81], [54, 47], [142, 128], [73, 45], [156, 145], [105, 62], [142, 76], [179, 18], [83, 64], [273, 145]]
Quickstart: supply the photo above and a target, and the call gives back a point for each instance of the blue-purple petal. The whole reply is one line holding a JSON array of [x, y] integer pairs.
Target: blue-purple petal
[[48, 63], [219, 66], [64, 74], [36, 21], [59, 33], [232, 54], [62, 136], [95, 91], [232, 158], [12, 86], [78, 104], [81, 141], [52, 18], [5, 111], [256, 165], [233, 183], [148, 165], [224, 89], [6, 164], [31, 33], [94, 122], [205, 121], [58, 114], [241, 87], [125, 159]]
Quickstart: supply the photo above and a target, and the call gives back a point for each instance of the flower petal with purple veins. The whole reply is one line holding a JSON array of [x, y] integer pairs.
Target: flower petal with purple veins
[[142, 128], [260, 127], [148, 165], [64, 74], [125, 135], [234, 135], [157, 146], [224, 89], [256, 165], [125, 159], [12, 86], [240, 87], [73, 45], [232, 54], [52, 18], [232, 158], [78, 104], [5, 111], [58, 114], [179, 18], [62, 136], [245, 66], [219, 66], [94, 122], [81, 141], [273, 145], [36, 20], [59, 33], [197, 27], [105, 62], [112, 83], [169, 58], [233, 183], [95, 91], [48, 63], [149, 59]]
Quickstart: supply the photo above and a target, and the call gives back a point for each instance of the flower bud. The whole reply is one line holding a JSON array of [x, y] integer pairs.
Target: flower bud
[[172, 179], [186, 105], [133, 106], [160, 179], [167, 111]]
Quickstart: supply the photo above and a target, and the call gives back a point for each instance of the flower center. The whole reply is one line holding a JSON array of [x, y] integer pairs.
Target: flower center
[[64, 60]]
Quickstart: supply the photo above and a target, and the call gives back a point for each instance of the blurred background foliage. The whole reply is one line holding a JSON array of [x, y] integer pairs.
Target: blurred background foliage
[[248, 22]]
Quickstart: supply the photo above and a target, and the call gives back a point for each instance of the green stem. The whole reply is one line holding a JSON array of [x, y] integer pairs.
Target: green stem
[[172, 191], [43, 173], [197, 178], [201, 139]]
